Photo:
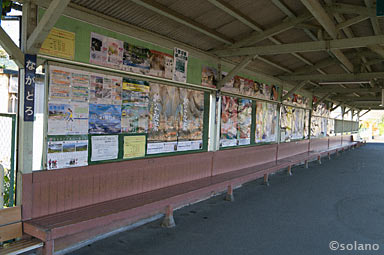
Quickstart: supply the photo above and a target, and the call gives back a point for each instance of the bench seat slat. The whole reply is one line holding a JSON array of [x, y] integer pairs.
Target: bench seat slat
[[21, 246]]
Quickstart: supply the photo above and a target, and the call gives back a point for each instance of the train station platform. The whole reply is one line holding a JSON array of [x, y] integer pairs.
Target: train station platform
[[340, 200]]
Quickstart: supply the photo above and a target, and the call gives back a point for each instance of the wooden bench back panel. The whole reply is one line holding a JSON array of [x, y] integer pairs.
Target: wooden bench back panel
[[12, 231], [234, 159], [292, 148], [319, 144], [346, 139], [65, 189], [10, 225], [334, 141], [10, 215]]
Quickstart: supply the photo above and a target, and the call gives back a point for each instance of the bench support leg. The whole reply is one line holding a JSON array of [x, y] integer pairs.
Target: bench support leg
[[329, 156], [306, 164], [48, 248], [169, 221], [319, 159], [289, 171], [229, 196], [266, 179]]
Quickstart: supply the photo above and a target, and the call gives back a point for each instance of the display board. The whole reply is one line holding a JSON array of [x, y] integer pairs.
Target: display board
[[93, 117]]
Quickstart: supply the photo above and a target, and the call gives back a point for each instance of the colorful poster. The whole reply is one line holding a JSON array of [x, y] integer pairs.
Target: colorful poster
[[104, 119], [209, 77], [161, 64], [316, 124], [266, 121], [105, 89], [229, 121], [60, 84], [67, 152], [165, 107], [191, 115], [296, 100], [104, 147], [306, 124], [135, 108], [67, 119], [136, 59], [99, 49], [298, 123], [114, 53], [261, 90], [134, 146], [286, 123], [274, 93], [244, 121], [80, 83], [180, 65], [59, 43]]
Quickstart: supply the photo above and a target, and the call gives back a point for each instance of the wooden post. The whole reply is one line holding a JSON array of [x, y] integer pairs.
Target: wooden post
[[289, 171], [229, 196], [266, 179], [329, 155], [48, 248], [169, 221], [306, 164]]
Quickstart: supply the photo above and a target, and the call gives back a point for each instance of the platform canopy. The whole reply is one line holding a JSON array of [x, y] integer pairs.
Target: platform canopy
[[332, 48]]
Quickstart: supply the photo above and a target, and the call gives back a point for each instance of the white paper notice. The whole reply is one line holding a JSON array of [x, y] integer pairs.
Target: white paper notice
[[105, 147]]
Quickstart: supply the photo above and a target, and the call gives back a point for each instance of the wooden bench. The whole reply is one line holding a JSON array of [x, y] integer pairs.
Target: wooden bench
[[61, 203], [11, 232]]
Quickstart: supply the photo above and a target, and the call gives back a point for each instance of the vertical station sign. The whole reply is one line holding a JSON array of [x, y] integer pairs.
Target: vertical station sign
[[379, 8], [29, 87]]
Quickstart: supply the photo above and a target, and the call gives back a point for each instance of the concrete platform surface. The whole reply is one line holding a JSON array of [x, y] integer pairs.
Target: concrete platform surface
[[341, 200]]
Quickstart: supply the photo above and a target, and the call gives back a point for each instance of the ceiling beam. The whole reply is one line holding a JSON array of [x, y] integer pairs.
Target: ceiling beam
[[345, 90], [171, 14], [335, 107], [51, 15], [235, 70], [11, 48], [364, 113], [351, 22], [256, 37], [349, 99], [332, 45], [351, 9], [224, 6], [374, 21], [322, 17], [334, 77]]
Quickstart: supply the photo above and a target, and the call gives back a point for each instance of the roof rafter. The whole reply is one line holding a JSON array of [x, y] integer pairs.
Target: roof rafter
[[334, 77], [11, 48], [322, 17], [332, 45], [167, 12], [52, 14]]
